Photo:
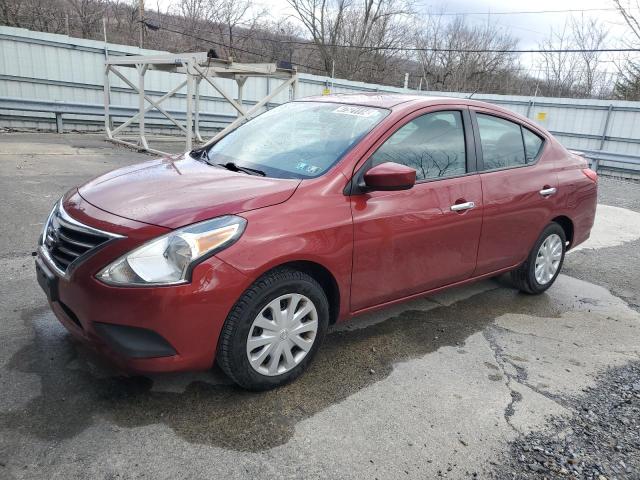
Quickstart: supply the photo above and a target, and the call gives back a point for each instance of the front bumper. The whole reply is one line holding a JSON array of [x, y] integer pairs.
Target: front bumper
[[143, 329]]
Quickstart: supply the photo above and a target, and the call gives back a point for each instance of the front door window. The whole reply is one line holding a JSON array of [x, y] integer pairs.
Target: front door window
[[433, 144]]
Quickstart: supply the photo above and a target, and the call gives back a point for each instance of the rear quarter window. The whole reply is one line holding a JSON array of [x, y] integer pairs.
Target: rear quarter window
[[532, 144]]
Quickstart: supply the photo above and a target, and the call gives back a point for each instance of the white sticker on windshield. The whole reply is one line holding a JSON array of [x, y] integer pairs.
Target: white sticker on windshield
[[312, 169], [355, 110]]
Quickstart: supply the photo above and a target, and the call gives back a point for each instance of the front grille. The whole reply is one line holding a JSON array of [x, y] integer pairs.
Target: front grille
[[66, 240]]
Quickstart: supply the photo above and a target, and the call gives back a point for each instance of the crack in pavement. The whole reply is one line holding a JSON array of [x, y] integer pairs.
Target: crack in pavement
[[521, 376], [497, 350]]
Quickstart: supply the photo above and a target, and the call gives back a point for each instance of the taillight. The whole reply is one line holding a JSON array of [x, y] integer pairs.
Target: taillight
[[593, 176]]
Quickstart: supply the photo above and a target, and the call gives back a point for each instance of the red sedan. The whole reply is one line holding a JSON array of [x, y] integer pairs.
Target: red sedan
[[245, 251]]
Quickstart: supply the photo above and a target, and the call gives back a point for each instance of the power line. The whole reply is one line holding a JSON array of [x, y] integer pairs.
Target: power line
[[499, 50], [221, 44], [527, 12], [309, 43], [452, 50]]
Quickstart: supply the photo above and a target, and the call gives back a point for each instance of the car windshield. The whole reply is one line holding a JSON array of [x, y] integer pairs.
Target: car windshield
[[297, 139]]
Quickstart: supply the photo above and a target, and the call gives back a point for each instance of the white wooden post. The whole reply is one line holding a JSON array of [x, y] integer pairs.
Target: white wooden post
[[107, 102], [189, 125], [196, 117], [240, 80], [142, 69]]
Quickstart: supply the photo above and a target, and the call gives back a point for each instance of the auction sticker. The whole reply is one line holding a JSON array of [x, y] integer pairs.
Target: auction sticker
[[312, 169], [355, 110]]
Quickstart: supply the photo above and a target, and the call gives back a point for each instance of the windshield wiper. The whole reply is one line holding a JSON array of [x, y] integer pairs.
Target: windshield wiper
[[236, 168], [203, 156]]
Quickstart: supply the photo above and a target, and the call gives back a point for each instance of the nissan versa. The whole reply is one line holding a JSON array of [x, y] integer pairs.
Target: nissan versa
[[243, 252]]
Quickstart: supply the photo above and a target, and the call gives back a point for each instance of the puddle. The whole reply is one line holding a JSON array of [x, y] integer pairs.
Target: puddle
[[75, 390]]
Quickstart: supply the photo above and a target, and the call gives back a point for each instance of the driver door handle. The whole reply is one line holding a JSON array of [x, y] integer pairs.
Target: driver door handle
[[545, 192], [458, 207]]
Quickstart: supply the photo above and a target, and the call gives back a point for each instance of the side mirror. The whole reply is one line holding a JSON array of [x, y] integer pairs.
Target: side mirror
[[390, 176]]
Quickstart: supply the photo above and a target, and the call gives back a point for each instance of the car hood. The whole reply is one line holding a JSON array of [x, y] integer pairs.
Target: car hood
[[173, 192]]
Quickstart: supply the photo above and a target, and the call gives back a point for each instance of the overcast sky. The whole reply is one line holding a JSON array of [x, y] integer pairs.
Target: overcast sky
[[533, 28]]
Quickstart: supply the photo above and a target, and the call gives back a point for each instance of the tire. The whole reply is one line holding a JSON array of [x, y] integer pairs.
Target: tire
[[524, 277], [292, 287]]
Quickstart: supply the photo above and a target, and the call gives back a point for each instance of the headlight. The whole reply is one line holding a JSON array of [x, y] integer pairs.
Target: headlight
[[169, 259], [43, 235]]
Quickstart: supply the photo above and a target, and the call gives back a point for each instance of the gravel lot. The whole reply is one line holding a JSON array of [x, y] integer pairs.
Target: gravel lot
[[601, 437], [477, 382], [619, 193]]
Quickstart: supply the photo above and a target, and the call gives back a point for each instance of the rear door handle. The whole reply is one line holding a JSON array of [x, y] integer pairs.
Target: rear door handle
[[458, 207], [545, 192]]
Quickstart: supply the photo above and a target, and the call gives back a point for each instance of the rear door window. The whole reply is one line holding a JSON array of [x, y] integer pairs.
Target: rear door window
[[433, 144], [501, 141]]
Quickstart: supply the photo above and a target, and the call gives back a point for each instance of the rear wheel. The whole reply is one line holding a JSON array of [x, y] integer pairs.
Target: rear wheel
[[544, 262], [274, 330]]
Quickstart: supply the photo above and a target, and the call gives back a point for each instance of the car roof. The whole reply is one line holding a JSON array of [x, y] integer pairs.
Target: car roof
[[373, 99], [391, 100], [402, 101]]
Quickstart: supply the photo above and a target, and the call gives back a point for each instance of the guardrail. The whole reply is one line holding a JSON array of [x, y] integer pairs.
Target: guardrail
[[603, 162], [627, 166]]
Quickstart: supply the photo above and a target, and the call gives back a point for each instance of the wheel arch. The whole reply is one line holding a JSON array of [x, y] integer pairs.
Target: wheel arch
[[323, 276], [567, 225]]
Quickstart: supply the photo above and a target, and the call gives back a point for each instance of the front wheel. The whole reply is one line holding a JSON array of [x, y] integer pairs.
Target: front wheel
[[274, 330], [544, 262]]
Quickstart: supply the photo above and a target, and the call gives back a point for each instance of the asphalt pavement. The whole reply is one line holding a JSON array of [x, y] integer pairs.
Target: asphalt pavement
[[463, 384]]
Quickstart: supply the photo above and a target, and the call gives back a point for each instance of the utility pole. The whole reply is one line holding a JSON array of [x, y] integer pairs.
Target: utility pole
[[141, 18], [106, 44]]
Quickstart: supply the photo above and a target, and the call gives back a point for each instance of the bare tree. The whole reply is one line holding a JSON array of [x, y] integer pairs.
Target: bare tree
[[40, 15], [122, 19], [452, 56], [627, 86], [560, 69], [10, 12], [577, 73], [230, 16], [194, 17], [627, 9], [278, 39], [89, 14], [351, 36], [589, 35]]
